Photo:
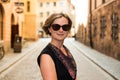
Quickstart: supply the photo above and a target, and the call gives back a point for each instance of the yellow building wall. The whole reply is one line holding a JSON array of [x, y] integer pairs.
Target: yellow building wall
[[7, 25], [29, 30], [30, 27]]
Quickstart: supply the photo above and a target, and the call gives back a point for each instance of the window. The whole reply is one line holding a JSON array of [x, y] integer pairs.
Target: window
[[41, 14], [95, 27], [61, 4], [48, 13], [47, 4], [41, 24], [28, 6], [41, 4], [103, 1], [115, 28], [54, 3], [103, 26], [95, 4]]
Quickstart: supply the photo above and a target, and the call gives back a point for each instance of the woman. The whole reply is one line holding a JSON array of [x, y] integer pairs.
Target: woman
[[55, 60]]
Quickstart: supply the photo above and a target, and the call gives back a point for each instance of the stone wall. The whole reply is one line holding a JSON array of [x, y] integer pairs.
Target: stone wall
[[105, 29]]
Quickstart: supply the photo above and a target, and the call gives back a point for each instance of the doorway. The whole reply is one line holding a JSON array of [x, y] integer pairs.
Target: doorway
[[14, 31], [1, 22]]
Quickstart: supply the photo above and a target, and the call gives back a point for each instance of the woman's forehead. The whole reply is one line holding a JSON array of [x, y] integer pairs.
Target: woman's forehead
[[61, 20]]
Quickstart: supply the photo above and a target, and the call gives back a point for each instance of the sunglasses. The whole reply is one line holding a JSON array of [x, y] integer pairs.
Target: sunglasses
[[56, 27]]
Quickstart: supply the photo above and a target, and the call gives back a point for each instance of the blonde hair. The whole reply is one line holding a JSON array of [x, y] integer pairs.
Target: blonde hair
[[52, 18]]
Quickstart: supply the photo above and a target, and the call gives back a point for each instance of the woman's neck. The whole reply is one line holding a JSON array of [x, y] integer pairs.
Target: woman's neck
[[58, 44]]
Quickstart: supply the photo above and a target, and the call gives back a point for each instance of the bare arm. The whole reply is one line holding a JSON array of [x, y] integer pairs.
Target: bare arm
[[47, 68], [76, 79]]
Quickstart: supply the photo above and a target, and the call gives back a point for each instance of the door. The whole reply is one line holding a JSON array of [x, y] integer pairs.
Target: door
[[14, 31]]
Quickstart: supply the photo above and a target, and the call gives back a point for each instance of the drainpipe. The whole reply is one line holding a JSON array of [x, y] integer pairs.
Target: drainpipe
[[90, 24]]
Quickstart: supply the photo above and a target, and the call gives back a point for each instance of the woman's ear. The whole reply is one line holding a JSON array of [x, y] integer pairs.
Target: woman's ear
[[49, 29], [69, 31]]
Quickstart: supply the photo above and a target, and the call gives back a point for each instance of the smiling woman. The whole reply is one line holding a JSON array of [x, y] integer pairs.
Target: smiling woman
[[56, 61]]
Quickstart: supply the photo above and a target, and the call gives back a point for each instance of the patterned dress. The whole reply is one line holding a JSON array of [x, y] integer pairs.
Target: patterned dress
[[65, 65]]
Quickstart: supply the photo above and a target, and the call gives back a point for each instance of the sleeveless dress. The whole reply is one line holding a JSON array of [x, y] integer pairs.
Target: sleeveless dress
[[65, 65]]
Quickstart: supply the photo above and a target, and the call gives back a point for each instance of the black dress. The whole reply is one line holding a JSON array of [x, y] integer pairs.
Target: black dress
[[65, 65]]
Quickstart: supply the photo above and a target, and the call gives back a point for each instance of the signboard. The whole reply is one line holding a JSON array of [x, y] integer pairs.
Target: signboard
[[19, 10], [19, 3], [19, 7]]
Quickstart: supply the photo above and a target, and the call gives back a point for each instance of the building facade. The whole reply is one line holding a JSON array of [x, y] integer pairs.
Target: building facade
[[9, 24], [103, 30], [26, 17], [12, 22], [30, 20], [5, 23], [47, 7]]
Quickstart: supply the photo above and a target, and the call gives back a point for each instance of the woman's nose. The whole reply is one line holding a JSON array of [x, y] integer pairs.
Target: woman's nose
[[60, 29]]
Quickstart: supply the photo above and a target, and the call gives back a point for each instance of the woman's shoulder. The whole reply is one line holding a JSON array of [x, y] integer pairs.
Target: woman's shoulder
[[47, 51]]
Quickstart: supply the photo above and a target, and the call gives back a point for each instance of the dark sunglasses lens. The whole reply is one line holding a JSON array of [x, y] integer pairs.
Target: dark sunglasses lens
[[66, 27], [55, 27]]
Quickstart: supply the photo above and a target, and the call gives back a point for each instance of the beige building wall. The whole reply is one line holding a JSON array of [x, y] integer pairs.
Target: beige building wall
[[30, 20], [7, 10], [105, 27], [99, 3], [72, 13], [10, 18], [26, 21], [47, 7]]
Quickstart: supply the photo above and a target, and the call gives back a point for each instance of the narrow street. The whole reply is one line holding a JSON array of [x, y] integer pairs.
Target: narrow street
[[27, 68], [93, 38]]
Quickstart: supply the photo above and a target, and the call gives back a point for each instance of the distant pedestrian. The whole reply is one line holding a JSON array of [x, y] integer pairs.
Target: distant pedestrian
[[55, 61]]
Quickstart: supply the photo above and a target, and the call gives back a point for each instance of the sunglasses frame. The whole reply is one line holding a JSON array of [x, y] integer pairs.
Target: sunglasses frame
[[56, 27]]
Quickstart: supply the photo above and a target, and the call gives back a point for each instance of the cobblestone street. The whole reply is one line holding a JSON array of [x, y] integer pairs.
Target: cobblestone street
[[92, 27], [27, 69]]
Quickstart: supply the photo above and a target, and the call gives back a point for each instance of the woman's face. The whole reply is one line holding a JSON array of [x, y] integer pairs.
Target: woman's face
[[57, 31]]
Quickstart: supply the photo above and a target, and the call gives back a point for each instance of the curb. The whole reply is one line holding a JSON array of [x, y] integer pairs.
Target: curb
[[95, 61], [15, 59]]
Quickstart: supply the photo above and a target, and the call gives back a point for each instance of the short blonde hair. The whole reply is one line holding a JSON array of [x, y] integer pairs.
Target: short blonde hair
[[52, 18]]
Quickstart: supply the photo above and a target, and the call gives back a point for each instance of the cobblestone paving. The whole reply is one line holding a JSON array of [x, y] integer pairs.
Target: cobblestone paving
[[27, 68]]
